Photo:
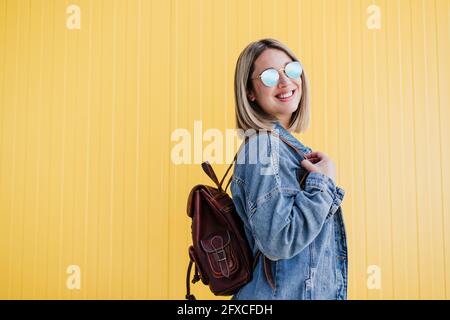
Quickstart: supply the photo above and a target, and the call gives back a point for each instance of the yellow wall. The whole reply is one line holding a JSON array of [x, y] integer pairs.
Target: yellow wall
[[86, 117]]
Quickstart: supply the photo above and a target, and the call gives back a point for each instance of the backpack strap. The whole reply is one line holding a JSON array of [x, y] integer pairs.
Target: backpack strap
[[266, 267], [229, 180], [267, 272], [289, 144], [189, 296], [206, 166], [235, 157], [234, 160], [303, 178], [196, 278]]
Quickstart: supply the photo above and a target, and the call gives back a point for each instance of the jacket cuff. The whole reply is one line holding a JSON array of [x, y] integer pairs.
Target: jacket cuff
[[338, 197], [322, 181]]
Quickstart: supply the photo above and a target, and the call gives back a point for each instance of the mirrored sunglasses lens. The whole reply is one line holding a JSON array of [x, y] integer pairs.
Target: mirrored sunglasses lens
[[293, 70], [270, 77]]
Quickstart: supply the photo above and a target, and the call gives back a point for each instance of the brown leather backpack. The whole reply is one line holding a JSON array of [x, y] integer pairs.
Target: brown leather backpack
[[220, 250]]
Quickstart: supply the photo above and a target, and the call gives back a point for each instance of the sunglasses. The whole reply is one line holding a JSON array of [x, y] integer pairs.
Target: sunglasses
[[271, 76]]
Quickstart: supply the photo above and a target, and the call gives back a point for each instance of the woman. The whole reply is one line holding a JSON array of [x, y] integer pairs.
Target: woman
[[299, 230]]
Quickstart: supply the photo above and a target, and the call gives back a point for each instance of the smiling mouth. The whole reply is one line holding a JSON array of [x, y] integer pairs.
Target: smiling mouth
[[286, 96]]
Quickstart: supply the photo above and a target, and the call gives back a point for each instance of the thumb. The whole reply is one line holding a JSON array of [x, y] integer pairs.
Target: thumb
[[308, 165]]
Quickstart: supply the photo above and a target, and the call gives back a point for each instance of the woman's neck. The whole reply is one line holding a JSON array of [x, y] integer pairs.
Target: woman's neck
[[284, 122]]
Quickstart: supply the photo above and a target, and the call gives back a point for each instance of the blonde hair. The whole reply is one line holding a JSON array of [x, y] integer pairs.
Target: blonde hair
[[249, 115]]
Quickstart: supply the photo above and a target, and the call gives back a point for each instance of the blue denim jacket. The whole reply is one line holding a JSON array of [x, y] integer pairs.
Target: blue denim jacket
[[301, 230]]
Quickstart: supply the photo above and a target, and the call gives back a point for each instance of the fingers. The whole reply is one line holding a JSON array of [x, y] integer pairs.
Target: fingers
[[314, 160], [308, 165], [316, 154]]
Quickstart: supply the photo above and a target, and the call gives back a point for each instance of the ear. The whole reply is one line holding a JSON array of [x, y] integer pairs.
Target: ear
[[251, 96]]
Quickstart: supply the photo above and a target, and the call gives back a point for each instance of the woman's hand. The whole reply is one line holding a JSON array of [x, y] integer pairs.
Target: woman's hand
[[319, 162]]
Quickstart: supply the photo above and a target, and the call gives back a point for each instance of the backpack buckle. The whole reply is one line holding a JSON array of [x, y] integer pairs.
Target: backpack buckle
[[218, 254]]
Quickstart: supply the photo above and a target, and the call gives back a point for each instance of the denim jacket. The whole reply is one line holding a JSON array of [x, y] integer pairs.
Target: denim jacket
[[300, 230]]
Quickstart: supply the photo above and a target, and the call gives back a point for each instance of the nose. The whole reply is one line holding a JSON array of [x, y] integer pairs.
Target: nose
[[284, 80]]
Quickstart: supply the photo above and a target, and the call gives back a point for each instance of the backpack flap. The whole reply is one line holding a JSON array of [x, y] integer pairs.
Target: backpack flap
[[221, 256]]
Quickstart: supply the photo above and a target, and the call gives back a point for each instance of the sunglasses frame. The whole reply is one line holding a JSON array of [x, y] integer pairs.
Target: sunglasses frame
[[278, 71]]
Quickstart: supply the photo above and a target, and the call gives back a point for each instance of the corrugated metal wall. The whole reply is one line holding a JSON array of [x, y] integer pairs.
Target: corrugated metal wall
[[86, 117]]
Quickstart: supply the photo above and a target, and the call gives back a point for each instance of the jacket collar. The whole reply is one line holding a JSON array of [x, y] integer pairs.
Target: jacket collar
[[288, 136]]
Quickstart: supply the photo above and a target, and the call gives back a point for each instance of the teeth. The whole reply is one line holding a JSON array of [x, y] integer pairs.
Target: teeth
[[286, 95]]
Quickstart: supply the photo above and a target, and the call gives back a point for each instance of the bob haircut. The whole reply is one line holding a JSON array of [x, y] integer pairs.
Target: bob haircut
[[249, 115]]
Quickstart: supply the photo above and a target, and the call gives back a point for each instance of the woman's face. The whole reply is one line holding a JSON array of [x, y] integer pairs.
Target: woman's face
[[268, 98]]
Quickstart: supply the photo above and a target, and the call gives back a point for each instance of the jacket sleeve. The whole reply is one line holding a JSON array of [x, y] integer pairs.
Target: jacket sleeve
[[284, 219]]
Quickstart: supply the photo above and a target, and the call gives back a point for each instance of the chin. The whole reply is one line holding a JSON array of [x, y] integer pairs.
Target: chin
[[286, 109], [291, 108]]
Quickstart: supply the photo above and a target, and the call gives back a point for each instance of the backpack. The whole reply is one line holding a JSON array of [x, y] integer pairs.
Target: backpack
[[220, 250]]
